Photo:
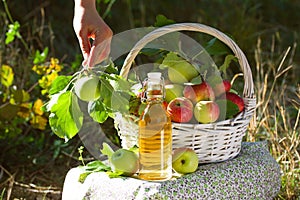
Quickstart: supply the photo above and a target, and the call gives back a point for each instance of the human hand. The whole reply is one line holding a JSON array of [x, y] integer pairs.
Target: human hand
[[89, 25]]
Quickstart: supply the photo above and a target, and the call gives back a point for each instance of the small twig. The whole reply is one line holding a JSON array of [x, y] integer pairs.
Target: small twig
[[76, 158], [39, 189], [11, 181]]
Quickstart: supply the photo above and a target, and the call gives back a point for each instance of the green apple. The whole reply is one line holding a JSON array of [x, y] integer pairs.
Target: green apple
[[206, 111], [173, 91], [87, 88], [184, 160], [182, 73], [179, 70], [125, 162]]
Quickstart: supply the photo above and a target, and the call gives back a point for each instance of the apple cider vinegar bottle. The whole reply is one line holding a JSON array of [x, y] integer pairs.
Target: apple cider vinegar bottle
[[155, 133]]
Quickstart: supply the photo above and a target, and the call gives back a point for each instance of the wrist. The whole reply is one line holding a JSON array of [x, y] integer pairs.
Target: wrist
[[85, 4]]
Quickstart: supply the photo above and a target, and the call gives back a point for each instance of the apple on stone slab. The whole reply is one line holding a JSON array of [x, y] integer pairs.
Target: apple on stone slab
[[124, 161], [180, 110], [206, 112], [184, 160]]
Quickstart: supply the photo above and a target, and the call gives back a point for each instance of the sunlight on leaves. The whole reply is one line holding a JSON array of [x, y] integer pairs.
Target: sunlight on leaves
[[37, 107], [66, 117], [7, 75], [13, 31], [39, 122]]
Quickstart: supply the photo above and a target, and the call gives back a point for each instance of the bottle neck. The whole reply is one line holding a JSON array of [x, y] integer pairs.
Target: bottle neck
[[155, 95], [154, 90], [153, 100]]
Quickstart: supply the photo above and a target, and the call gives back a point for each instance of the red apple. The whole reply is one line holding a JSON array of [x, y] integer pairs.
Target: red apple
[[234, 98], [206, 112], [196, 93], [222, 87], [180, 109]]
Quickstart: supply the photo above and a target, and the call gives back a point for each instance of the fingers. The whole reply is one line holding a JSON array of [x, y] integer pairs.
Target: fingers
[[101, 47], [85, 46]]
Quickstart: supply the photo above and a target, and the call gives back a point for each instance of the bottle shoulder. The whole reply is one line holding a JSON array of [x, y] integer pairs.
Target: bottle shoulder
[[155, 112]]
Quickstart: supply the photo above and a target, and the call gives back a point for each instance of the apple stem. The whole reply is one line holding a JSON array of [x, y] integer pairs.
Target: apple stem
[[202, 78]]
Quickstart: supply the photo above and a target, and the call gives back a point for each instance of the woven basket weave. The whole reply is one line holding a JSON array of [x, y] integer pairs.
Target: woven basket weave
[[214, 142]]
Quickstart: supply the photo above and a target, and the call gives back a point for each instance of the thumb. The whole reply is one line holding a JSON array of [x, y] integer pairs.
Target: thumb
[[85, 45]]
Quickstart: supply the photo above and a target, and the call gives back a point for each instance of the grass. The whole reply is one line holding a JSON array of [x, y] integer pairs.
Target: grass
[[278, 112]]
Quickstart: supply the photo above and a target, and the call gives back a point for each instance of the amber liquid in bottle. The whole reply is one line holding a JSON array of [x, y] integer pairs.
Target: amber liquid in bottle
[[155, 139]]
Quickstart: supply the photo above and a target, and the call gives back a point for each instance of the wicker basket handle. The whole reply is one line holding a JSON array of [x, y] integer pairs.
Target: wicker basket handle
[[245, 68]]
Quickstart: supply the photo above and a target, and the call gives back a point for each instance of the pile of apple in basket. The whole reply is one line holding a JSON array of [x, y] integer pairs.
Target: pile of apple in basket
[[192, 98]]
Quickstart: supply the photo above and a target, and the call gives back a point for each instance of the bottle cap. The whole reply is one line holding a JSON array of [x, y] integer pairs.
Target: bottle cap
[[154, 76]]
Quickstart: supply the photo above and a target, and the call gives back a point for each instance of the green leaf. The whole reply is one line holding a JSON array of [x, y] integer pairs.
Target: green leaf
[[135, 149], [59, 83], [119, 84], [107, 150], [93, 166], [66, 117], [19, 96], [96, 165], [172, 60], [12, 32], [83, 176], [111, 68], [228, 109], [119, 102], [8, 111], [76, 112], [97, 111], [162, 20], [53, 100], [151, 51], [112, 174], [106, 91], [216, 47], [227, 62], [231, 110], [6, 75], [40, 57]]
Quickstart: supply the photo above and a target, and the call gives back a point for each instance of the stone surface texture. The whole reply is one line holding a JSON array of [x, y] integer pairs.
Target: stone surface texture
[[253, 174]]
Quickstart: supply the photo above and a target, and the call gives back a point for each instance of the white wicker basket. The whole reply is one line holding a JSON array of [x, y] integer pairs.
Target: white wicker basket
[[214, 142]]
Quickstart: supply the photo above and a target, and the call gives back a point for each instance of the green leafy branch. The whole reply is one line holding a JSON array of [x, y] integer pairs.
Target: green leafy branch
[[66, 116], [13, 29]]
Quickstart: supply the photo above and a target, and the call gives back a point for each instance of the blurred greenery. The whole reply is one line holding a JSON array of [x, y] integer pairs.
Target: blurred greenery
[[37, 43]]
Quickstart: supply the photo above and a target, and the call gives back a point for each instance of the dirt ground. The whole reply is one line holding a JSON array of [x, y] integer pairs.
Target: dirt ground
[[28, 184], [22, 179]]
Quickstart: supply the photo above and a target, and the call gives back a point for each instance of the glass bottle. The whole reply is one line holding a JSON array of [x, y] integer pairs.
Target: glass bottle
[[155, 133]]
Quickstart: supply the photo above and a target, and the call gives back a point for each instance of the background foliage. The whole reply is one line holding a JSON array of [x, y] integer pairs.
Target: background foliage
[[37, 43]]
